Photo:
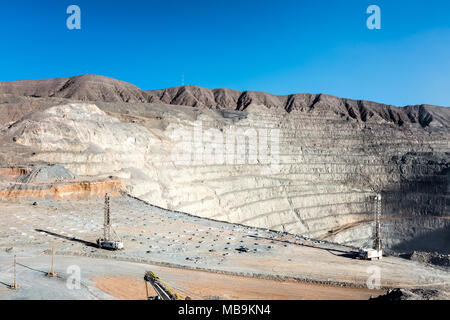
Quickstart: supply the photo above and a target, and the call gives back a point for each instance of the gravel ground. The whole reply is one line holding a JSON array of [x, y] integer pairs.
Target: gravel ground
[[171, 239], [111, 279]]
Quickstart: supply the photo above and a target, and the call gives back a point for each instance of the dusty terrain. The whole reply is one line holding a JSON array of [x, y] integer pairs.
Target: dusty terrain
[[207, 285], [311, 164], [124, 280], [313, 178], [165, 238]]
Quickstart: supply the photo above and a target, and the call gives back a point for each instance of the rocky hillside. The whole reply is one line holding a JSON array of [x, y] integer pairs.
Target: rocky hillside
[[84, 88], [310, 165], [100, 88]]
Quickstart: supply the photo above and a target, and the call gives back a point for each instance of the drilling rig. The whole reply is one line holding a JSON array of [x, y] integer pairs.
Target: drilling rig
[[377, 241], [376, 252], [107, 242]]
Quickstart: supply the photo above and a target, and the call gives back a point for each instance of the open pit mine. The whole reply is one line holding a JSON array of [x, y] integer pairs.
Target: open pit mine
[[222, 194]]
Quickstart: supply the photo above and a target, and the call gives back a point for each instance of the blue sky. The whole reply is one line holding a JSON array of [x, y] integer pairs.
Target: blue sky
[[280, 46]]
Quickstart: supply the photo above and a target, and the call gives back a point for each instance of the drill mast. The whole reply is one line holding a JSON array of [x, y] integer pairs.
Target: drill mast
[[107, 242], [107, 220], [377, 240]]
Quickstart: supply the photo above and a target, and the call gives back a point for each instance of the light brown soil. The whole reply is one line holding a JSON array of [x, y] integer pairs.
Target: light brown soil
[[205, 285], [123, 288]]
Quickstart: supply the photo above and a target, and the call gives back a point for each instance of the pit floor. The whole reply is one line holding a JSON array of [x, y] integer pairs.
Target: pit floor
[[188, 252]]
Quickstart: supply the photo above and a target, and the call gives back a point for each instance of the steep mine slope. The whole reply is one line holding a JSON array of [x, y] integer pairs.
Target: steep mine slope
[[327, 155]]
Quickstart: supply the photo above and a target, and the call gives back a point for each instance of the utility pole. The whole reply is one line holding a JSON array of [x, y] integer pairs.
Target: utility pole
[[15, 286], [52, 273]]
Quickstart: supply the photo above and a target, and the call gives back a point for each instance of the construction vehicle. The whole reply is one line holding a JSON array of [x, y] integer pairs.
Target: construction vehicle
[[163, 291], [107, 242], [376, 252]]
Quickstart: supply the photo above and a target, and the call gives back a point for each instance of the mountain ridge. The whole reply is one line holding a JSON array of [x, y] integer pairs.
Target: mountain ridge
[[105, 89]]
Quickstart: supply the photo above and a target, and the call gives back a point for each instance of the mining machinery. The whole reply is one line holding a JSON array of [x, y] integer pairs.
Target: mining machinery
[[163, 291], [376, 252], [108, 242]]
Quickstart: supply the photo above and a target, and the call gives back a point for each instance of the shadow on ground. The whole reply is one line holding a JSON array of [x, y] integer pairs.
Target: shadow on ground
[[86, 243], [336, 252]]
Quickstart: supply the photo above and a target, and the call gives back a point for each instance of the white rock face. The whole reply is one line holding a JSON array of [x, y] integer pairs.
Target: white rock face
[[311, 179], [78, 127]]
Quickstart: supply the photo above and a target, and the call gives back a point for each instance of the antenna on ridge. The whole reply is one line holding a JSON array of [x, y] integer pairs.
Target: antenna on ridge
[[182, 79]]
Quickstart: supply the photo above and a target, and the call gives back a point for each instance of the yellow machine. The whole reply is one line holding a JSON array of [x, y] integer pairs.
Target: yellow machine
[[164, 292]]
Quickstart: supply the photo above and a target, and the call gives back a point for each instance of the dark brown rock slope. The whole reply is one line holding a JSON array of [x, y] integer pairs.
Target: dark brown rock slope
[[84, 88], [100, 88]]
